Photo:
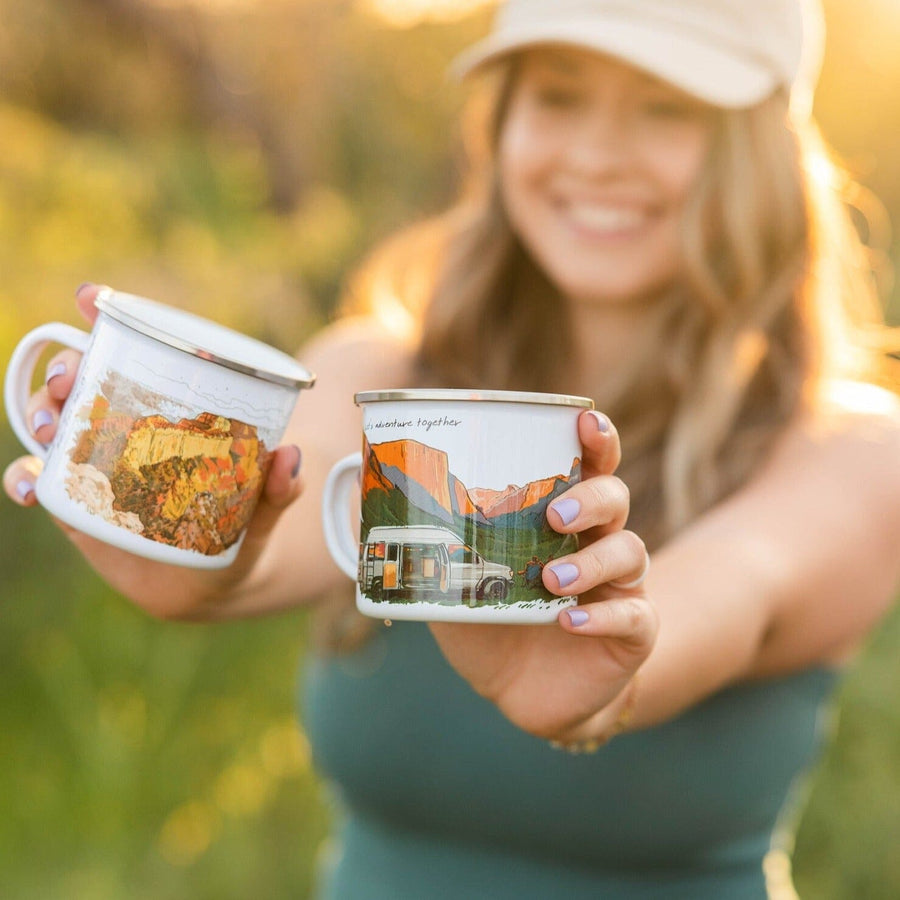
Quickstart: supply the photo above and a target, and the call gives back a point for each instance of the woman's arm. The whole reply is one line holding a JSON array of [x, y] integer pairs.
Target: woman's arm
[[790, 572]]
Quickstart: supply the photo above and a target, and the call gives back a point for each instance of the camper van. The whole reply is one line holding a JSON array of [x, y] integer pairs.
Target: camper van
[[429, 560]]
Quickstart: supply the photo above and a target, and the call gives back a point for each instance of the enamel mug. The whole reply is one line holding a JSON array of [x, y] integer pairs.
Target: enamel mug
[[162, 448], [454, 488]]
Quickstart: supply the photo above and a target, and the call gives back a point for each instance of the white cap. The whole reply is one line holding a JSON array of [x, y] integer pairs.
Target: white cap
[[730, 53]]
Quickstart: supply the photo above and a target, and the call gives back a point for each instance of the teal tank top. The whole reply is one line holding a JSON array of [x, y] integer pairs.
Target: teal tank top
[[442, 798]]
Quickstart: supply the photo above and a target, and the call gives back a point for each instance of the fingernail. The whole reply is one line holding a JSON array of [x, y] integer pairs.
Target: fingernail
[[565, 573], [81, 287], [41, 418], [55, 371], [567, 509], [577, 616], [24, 489], [296, 470], [601, 420]]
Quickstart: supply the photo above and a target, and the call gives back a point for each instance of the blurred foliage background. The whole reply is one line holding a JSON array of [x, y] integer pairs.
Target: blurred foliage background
[[237, 157]]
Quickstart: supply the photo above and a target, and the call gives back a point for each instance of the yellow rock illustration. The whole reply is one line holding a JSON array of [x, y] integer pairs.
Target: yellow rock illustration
[[191, 484]]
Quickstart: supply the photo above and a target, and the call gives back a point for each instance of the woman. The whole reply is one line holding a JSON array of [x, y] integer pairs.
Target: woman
[[647, 224]]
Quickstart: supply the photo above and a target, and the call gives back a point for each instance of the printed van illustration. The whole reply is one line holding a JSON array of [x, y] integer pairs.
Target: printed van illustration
[[430, 559]]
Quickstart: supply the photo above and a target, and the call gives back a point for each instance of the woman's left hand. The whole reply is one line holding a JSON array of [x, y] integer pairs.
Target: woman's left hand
[[561, 683]]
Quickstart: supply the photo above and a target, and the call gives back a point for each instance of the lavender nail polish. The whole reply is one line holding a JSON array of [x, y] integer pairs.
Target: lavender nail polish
[[567, 509], [577, 616], [601, 420], [55, 371], [24, 489], [565, 573], [41, 418], [295, 471]]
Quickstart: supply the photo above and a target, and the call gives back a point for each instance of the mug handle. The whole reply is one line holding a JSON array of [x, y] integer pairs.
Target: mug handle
[[335, 522], [20, 373]]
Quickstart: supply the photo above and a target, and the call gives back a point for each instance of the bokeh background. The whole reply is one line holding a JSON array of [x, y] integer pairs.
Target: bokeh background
[[237, 157]]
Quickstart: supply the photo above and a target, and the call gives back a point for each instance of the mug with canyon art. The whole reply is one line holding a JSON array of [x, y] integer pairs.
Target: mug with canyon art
[[454, 489], [163, 446]]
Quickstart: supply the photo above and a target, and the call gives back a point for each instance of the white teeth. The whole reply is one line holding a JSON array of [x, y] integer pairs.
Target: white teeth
[[605, 218]]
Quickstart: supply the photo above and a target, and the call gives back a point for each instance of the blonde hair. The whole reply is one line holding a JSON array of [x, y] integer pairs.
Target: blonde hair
[[777, 296]]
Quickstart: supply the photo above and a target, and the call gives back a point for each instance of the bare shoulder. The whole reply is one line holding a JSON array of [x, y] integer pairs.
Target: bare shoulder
[[846, 453], [354, 354], [834, 471], [853, 433], [859, 405], [361, 349]]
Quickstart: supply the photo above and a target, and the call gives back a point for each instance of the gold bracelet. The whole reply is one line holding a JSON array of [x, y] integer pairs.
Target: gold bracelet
[[626, 713], [621, 722]]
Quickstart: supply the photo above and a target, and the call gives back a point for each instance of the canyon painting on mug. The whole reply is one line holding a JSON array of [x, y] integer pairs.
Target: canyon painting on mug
[[427, 536], [188, 480]]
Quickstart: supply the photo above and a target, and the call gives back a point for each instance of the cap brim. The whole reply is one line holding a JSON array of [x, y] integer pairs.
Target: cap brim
[[697, 67]]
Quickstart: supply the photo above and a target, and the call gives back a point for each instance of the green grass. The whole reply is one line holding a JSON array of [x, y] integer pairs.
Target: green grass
[[145, 759], [847, 842]]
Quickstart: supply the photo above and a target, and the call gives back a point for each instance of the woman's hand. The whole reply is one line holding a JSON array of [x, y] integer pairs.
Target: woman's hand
[[163, 590], [568, 683]]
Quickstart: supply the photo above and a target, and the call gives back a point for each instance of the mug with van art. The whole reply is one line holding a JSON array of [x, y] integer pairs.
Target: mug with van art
[[162, 448], [454, 488]]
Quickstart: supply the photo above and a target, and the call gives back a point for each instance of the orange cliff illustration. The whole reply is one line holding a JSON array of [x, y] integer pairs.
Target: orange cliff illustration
[[192, 484], [428, 466], [422, 471], [514, 497]]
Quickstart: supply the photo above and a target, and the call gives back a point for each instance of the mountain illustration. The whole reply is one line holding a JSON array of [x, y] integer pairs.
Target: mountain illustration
[[422, 475], [513, 498], [191, 483]]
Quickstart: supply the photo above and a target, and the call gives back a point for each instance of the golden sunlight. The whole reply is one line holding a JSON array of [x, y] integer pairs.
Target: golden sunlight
[[392, 312], [211, 6], [862, 398], [406, 13]]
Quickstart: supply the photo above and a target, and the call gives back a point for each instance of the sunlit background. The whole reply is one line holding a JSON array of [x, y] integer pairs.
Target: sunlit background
[[237, 157]]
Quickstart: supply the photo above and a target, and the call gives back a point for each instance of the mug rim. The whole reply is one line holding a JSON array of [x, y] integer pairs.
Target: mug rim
[[125, 308], [457, 394]]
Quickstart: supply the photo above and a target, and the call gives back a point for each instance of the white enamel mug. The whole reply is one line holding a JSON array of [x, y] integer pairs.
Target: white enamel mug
[[454, 488], [162, 448]]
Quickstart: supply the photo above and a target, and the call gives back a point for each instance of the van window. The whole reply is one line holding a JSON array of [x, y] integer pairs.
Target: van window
[[421, 565], [460, 553]]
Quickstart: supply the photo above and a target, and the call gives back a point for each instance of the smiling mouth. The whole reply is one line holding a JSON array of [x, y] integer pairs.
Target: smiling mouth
[[604, 220]]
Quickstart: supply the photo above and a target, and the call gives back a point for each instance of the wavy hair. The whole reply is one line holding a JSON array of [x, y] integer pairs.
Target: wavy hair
[[776, 296]]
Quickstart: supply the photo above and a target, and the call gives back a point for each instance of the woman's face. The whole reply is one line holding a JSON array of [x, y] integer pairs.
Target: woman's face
[[596, 162]]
